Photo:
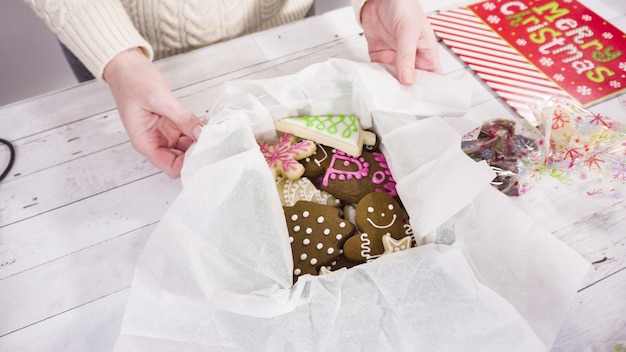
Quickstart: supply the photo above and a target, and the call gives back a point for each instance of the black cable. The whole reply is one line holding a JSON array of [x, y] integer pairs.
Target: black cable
[[11, 159]]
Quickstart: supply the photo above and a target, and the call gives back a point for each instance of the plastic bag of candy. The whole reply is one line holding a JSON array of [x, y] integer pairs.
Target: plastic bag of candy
[[509, 146], [583, 149]]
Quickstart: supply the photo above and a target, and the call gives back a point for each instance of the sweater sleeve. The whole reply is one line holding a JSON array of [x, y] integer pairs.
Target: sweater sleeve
[[358, 5], [94, 30]]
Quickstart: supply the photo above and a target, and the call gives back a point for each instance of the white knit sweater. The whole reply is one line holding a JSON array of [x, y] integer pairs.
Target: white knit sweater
[[97, 30]]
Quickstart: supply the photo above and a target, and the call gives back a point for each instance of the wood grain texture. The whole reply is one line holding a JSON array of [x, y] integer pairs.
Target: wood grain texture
[[81, 202]]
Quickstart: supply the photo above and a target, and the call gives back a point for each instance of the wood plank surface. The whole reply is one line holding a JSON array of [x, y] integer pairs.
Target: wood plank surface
[[80, 202]]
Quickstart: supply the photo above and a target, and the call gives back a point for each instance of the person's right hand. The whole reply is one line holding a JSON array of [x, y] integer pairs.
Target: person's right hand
[[398, 33], [158, 125]]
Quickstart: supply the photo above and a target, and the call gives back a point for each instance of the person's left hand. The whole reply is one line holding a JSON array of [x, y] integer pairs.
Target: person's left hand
[[398, 33]]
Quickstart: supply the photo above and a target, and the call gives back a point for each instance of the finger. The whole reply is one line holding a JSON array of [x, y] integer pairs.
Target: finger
[[185, 120], [406, 47], [428, 57], [167, 159]]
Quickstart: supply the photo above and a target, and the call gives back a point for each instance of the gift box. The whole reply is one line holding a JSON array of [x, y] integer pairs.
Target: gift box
[[216, 274]]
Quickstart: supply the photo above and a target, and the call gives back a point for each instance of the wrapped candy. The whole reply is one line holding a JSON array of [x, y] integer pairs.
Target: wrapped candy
[[506, 148]]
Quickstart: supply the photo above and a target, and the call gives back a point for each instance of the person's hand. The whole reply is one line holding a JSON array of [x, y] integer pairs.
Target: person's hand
[[158, 125], [398, 33]]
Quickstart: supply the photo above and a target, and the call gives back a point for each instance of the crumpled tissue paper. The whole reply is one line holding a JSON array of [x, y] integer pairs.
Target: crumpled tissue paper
[[216, 274]]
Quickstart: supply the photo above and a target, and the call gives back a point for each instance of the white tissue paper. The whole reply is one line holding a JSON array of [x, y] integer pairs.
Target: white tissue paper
[[216, 274]]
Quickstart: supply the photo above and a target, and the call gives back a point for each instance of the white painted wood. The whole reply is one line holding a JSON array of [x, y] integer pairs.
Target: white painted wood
[[92, 327], [74, 220], [69, 282], [89, 222], [597, 316]]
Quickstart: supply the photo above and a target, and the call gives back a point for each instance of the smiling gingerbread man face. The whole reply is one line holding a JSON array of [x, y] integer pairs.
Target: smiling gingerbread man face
[[377, 215]]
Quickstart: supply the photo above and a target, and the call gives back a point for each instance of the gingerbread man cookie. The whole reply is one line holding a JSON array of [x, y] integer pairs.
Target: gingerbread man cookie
[[380, 219], [343, 132], [316, 233], [283, 156]]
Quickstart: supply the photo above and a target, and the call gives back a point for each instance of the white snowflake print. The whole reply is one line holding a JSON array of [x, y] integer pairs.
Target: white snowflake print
[[622, 66], [558, 77], [489, 6], [586, 17], [607, 35], [583, 90], [521, 42], [546, 61], [493, 19], [615, 84]]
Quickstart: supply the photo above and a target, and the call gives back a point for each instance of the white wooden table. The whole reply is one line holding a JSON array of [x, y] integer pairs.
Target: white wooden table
[[80, 203]]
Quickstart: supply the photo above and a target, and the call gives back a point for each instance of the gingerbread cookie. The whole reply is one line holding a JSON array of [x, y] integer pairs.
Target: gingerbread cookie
[[349, 178], [380, 219], [283, 156], [340, 263], [316, 233], [339, 131], [292, 191], [317, 163]]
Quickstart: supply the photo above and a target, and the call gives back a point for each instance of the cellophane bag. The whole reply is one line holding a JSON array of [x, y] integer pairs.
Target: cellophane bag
[[580, 148], [511, 147]]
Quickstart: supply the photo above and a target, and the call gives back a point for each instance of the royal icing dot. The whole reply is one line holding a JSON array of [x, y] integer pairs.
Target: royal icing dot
[[326, 232], [313, 261], [330, 250], [309, 231], [320, 246], [294, 217], [297, 271], [290, 239], [303, 256], [390, 207], [370, 209], [342, 224], [320, 220], [305, 214], [296, 228], [306, 241], [339, 236]]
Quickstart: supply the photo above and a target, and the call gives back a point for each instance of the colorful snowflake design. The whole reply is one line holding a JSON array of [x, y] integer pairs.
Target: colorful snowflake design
[[587, 150], [283, 156]]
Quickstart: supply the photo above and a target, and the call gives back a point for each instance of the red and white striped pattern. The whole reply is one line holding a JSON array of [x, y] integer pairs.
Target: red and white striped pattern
[[501, 66]]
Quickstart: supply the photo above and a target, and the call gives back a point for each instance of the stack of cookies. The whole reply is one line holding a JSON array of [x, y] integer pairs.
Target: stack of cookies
[[337, 192]]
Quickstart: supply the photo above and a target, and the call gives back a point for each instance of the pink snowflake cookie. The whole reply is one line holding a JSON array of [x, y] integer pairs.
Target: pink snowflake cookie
[[283, 156]]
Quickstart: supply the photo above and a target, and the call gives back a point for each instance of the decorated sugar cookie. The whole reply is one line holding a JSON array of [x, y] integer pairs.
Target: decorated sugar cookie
[[283, 156], [316, 233], [380, 219], [349, 178], [317, 163], [292, 191], [343, 132]]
